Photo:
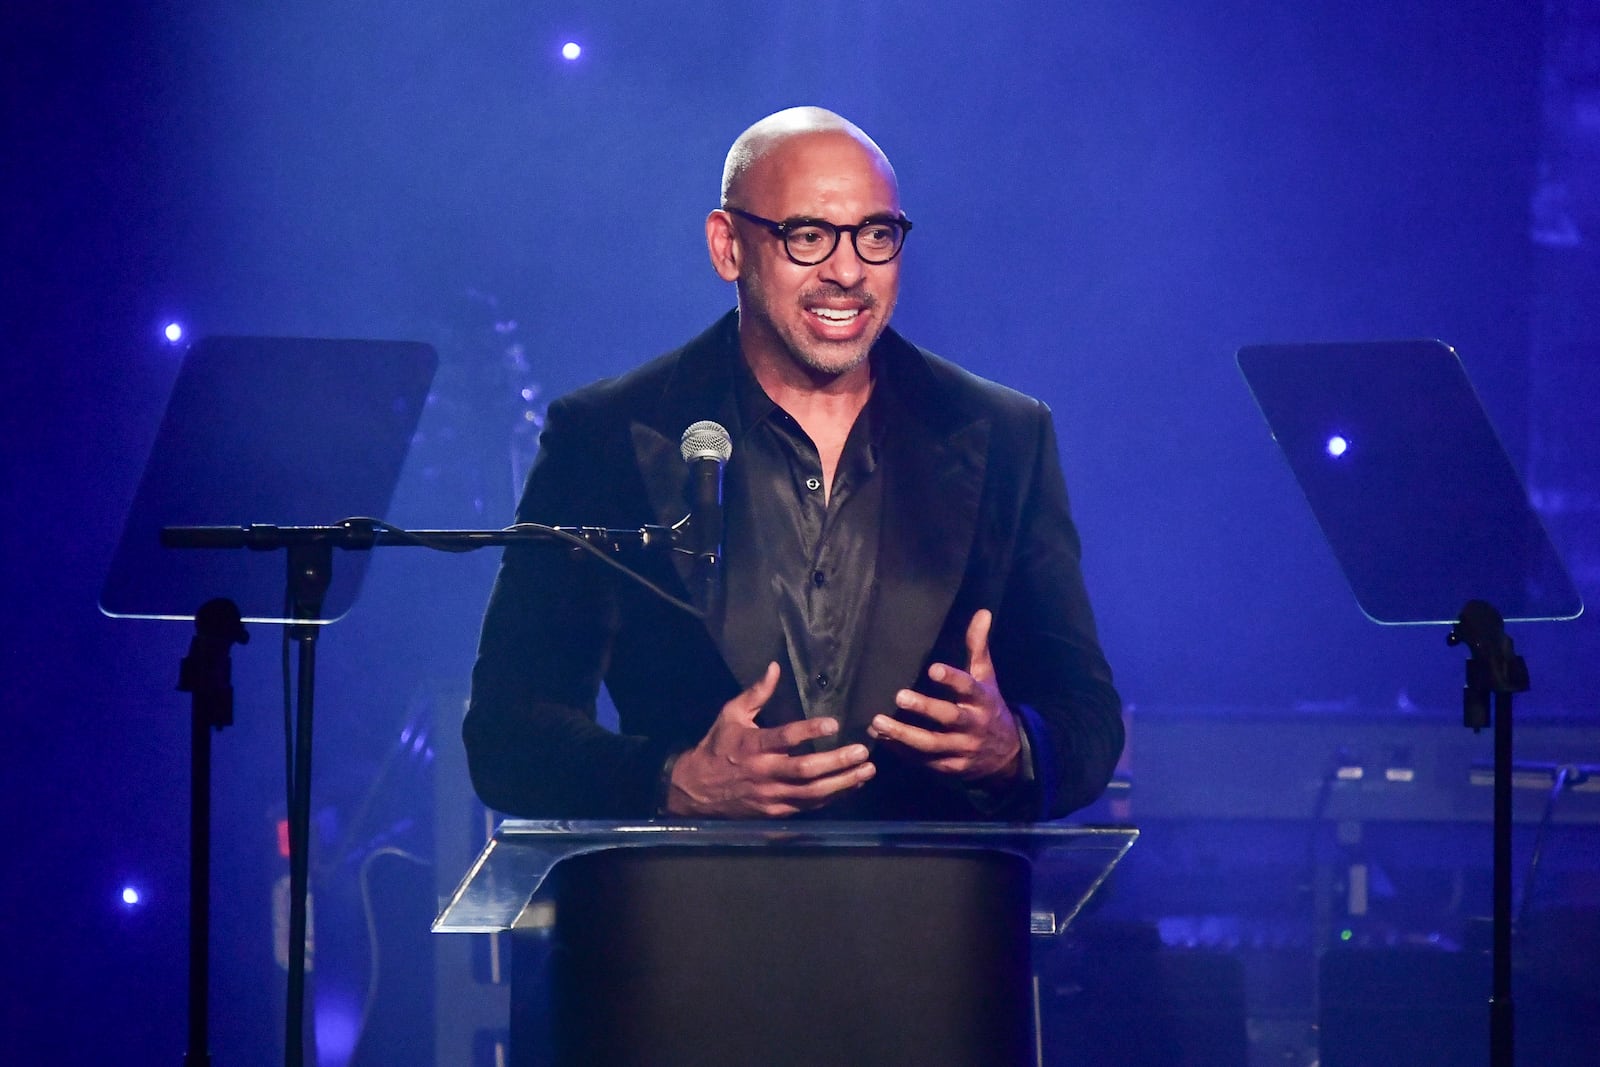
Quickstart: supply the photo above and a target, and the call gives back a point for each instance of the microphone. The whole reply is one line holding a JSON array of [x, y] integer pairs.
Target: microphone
[[705, 447]]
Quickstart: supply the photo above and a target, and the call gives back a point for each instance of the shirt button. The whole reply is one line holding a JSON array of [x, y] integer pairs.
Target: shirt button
[[822, 681], [813, 484], [818, 579]]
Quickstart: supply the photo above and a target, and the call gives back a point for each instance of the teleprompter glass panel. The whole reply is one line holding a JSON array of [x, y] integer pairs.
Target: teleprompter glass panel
[[1404, 473], [266, 430]]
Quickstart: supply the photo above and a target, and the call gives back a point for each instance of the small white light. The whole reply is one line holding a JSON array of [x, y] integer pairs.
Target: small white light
[[130, 895], [571, 50], [1337, 446], [173, 332]]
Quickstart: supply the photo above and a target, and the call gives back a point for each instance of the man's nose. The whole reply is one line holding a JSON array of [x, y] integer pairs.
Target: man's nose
[[844, 267]]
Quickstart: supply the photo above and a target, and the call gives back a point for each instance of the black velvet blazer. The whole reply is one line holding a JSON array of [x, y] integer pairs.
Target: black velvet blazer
[[975, 516]]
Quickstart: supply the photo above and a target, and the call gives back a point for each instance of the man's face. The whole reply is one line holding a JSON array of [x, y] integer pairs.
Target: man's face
[[824, 317]]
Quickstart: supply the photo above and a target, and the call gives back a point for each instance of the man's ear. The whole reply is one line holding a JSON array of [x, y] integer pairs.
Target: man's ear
[[723, 244]]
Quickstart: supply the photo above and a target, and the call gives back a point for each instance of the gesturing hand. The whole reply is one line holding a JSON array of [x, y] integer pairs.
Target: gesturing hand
[[741, 771], [973, 736]]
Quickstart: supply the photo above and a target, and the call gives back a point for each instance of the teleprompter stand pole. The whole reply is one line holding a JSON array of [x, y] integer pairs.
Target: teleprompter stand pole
[[206, 673], [1495, 672]]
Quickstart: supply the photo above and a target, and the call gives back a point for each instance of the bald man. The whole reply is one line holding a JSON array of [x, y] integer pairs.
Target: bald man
[[904, 632]]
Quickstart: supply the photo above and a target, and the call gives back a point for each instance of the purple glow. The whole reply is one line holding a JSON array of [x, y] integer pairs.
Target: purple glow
[[571, 50], [130, 895], [1337, 446], [338, 1027], [173, 332]]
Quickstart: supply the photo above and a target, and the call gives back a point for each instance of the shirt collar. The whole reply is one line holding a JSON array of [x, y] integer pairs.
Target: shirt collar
[[754, 407]]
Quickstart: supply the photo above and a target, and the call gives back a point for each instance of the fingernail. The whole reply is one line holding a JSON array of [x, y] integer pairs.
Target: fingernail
[[830, 726], [903, 698], [866, 770], [936, 672]]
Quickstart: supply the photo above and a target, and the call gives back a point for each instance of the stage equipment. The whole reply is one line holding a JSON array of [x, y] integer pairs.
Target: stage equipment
[[296, 427], [289, 427], [780, 942], [1216, 763], [1424, 513]]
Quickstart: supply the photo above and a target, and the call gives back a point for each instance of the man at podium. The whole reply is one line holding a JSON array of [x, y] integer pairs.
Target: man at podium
[[902, 630]]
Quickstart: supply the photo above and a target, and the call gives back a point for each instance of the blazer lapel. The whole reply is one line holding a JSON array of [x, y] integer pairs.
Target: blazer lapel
[[934, 483], [702, 387]]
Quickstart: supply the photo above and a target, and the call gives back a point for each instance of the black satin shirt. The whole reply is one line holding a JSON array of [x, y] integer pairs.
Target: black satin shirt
[[810, 555]]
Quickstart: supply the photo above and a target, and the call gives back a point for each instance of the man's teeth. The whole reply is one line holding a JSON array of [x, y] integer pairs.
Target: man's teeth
[[839, 315]]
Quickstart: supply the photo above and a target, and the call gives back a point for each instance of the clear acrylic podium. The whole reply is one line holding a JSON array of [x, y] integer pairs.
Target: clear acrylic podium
[[778, 942]]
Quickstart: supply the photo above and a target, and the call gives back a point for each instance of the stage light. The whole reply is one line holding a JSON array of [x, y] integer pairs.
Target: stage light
[[130, 895], [173, 332], [1337, 446], [338, 1026], [571, 50]]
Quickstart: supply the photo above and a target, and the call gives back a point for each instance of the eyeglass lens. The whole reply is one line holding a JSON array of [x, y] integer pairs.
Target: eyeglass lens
[[813, 242]]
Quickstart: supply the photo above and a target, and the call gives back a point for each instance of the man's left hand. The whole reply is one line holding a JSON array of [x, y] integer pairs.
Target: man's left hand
[[974, 735]]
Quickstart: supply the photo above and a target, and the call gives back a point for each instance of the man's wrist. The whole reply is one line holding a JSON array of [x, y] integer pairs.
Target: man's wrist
[[1019, 768], [664, 784]]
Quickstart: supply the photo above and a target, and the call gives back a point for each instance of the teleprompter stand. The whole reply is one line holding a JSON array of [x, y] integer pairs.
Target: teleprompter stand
[[1425, 513], [206, 673], [296, 429], [277, 426]]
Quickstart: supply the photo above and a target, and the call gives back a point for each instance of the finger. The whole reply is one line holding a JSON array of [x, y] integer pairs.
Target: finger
[[978, 661], [944, 712], [744, 707], [812, 793], [927, 742], [822, 764], [962, 684], [792, 735]]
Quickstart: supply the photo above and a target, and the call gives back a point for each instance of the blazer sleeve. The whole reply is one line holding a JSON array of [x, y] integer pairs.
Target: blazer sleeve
[[1047, 653], [534, 747]]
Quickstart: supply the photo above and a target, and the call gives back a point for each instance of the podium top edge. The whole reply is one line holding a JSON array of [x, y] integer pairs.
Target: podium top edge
[[733, 831]]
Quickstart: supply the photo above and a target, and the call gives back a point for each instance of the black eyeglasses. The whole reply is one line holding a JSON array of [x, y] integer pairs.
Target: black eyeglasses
[[811, 241]]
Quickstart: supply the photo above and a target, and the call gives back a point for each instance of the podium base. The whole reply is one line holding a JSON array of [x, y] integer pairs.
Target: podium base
[[785, 955]]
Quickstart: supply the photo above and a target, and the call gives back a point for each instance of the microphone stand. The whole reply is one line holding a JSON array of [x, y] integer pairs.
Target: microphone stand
[[310, 572], [1495, 672]]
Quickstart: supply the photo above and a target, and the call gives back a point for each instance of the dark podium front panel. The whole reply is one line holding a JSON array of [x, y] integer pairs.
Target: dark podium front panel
[[775, 943], [731, 957]]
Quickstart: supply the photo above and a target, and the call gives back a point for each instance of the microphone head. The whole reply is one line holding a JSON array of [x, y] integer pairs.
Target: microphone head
[[706, 440]]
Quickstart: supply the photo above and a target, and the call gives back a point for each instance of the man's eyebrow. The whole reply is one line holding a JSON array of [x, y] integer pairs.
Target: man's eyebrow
[[807, 220]]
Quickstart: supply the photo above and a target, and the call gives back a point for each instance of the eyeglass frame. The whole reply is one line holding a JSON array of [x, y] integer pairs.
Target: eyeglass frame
[[780, 230]]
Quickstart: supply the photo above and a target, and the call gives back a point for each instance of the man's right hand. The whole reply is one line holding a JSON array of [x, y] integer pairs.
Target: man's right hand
[[741, 771]]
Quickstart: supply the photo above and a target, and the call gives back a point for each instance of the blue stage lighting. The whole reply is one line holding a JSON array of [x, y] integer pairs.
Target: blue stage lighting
[[571, 50], [173, 332], [1337, 446], [130, 895]]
